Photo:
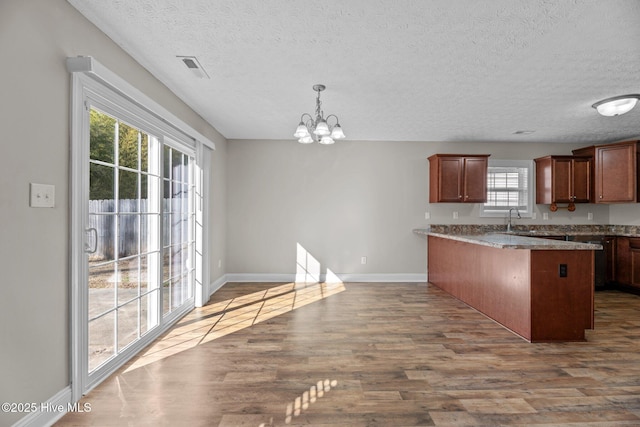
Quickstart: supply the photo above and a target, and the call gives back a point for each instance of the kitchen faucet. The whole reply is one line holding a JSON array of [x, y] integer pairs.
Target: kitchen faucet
[[509, 222]]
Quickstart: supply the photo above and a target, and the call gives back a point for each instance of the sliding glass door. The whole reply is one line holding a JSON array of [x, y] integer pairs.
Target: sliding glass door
[[140, 236]]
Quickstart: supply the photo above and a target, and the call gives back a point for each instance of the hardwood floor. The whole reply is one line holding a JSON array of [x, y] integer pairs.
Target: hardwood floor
[[363, 354]]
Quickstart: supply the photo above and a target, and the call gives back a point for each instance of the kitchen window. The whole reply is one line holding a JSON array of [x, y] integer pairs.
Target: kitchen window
[[509, 185]]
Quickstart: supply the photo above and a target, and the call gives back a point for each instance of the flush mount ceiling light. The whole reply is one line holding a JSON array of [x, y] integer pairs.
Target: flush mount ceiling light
[[318, 129], [617, 105]]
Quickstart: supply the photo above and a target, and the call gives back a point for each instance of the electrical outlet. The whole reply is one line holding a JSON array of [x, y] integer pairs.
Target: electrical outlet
[[363, 260], [219, 263], [562, 270], [590, 216], [427, 215], [534, 215], [455, 215], [42, 195], [545, 216]]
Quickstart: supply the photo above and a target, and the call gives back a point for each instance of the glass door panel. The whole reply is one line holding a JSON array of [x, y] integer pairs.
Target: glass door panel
[[124, 213], [178, 223]]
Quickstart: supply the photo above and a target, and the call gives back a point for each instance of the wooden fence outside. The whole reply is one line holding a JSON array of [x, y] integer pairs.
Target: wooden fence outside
[[133, 220]]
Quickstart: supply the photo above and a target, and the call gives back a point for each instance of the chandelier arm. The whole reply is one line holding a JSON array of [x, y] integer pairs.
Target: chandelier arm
[[332, 115], [305, 114]]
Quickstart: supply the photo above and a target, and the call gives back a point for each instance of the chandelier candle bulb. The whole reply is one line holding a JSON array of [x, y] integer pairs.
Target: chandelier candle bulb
[[319, 129]]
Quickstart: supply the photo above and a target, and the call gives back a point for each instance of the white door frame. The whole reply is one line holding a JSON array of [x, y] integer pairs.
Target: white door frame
[[90, 79]]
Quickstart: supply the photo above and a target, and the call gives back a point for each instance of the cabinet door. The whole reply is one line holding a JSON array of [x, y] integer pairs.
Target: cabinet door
[[562, 177], [615, 173], [475, 180], [609, 247], [635, 267], [623, 261], [450, 179], [581, 180]]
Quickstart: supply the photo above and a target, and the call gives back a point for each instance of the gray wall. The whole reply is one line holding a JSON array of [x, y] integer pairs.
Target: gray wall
[[35, 38], [349, 200]]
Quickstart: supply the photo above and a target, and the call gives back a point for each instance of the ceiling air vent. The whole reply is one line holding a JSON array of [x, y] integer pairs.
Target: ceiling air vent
[[194, 66]]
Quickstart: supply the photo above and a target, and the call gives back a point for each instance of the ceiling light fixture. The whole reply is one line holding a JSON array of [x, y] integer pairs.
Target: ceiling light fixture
[[617, 105], [318, 129]]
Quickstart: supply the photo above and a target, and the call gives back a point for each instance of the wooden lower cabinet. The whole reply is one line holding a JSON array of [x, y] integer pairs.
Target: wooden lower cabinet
[[635, 267], [519, 288], [609, 247]]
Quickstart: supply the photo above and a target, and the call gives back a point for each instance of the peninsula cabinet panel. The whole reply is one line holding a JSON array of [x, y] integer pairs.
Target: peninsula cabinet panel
[[615, 167], [455, 178], [519, 288], [563, 179]]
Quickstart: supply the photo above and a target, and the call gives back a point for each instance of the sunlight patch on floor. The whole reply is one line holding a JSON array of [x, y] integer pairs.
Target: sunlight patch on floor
[[216, 320]]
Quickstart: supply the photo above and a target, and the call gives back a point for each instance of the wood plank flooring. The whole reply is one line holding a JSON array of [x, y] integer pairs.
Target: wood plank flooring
[[371, 354]]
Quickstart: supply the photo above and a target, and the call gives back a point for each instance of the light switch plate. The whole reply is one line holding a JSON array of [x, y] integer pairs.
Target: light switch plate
[[42, 195]]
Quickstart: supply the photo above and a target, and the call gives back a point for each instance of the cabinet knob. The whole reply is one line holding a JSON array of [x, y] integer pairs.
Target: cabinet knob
[[601, 196]]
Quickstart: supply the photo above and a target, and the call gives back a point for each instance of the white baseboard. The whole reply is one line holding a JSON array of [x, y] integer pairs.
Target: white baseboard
[[389, 278], [50, 411], [217, 284], [260, 277], [345, 277]]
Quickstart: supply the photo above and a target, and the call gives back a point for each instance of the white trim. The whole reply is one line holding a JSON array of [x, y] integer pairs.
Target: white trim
[[92, 68], [93, 83], [203, 165], [78, 213], [48, 414], [500, 213], [345, 277], [381, 278], [217, 284]]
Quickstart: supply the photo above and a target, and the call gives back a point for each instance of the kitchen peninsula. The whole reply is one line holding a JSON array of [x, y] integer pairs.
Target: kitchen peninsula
[[538, 288]]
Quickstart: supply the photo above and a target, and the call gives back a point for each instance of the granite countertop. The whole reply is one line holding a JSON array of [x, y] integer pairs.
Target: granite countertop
[[513, 241], [537, 229]]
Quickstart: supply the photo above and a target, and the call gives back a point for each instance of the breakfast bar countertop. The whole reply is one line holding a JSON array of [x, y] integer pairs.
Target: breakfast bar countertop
[[512, 241]]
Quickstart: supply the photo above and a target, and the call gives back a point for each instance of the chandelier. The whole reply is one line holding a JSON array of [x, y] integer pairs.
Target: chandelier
[[318, 129]]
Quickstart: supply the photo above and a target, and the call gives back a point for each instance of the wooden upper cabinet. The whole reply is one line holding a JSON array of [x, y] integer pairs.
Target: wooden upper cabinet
[[615, 172], [563, 179], [457, 178]]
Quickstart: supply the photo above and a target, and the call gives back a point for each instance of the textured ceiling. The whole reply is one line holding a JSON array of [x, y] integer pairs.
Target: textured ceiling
[[397, 70]]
